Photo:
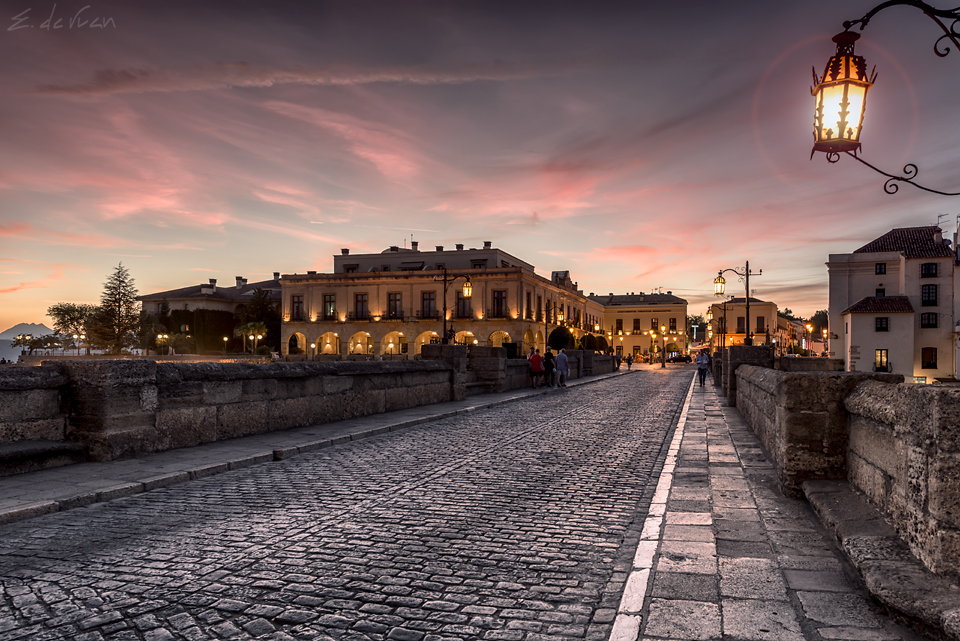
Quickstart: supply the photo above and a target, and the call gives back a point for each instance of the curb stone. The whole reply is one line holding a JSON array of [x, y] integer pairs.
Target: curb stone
[[894, 577]]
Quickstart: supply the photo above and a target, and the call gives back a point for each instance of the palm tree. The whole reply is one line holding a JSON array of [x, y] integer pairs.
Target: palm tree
[[255, 331]]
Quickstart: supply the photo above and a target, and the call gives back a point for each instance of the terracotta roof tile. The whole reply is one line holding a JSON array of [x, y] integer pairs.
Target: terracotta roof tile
[[881, 305], [912, 242]]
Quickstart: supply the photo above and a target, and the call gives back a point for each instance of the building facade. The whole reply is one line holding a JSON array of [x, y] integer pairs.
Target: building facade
[[644, 324], [893, 305], [392, 303], [211, 296], [728, 322]]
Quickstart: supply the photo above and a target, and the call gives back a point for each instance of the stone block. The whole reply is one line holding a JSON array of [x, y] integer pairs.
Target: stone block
[[948, 553], [173, 394], [946, 416], [287, 413], [263, 389], [867, 478], [337, 384], [875, 443], [241, 419], [944, 489], [120, 443], [51, 429], [29, 404], [29, 378], [186, 427], [221, 392]]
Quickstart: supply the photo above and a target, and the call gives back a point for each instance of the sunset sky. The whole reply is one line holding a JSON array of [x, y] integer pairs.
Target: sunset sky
[[639, 145]]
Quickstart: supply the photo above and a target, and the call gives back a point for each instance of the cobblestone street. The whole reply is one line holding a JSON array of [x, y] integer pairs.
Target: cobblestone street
[[516, 522]]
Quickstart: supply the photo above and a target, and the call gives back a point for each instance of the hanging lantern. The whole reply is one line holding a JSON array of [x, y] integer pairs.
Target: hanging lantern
[[710, 314], [467, 289], [718, 283], [840, 98]]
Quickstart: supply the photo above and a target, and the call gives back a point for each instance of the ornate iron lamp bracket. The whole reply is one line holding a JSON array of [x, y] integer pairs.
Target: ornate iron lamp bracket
[[950, 33]]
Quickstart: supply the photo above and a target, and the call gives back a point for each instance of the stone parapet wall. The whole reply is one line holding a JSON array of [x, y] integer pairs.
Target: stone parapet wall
[[737, 355], [32, 404], [801, 420], [809, 364], [904, 455]]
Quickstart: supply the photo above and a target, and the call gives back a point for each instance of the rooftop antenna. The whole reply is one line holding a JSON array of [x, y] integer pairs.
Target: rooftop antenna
[[939, 216]]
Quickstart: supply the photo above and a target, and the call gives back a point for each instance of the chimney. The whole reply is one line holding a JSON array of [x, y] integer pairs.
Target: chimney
[[206, 289], [309, 273], [240, 282], [439, 248], [414, 244], [459, 247], [487, 244], [276, 275], [213, 283], [345, 251]]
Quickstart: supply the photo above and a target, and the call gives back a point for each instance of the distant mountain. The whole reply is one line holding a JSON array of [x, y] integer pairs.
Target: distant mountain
[[34, 329]]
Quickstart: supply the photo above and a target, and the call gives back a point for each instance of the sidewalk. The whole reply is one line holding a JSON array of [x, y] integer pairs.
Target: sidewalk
[[25, 496], [724, 555]]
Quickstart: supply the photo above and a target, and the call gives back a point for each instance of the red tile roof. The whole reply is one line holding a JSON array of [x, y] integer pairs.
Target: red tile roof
[[912, 242], [880, 305]]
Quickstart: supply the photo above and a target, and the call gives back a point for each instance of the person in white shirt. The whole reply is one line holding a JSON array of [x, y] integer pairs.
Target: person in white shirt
[[703, 362]]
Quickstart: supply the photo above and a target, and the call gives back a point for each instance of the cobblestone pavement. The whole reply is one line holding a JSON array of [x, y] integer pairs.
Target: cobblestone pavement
[[518, 522]]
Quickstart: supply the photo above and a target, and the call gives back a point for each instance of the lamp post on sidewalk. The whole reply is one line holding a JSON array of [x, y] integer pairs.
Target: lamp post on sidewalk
[[467, 293], [744, 276]]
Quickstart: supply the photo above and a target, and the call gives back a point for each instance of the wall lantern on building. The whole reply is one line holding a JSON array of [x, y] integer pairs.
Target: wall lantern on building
[[467, 289], [840, 94]]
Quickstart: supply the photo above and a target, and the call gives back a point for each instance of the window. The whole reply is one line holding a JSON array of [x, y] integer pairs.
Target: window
[[478, 264], [329, 307], [428, 304], [741, 325], [439, 266], [673, 325], [619, 325], [846, 328], [928, 295], [360, 309], [882, 324], [655, 324], [881, 292], [880, 363], [539, 309], [394, 305], [928, 358], [636, 326], [350, 269], [928, 270], [463, 306], [919, 379], [529, 307], [385, 268], [929, 319], [761, 324], [296, 308], [880, 268], [499, 303]]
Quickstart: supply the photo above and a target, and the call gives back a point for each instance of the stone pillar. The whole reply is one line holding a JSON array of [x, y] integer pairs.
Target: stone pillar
[[456, 355], [586, 368], [737, 355], [716, 365], [113, 406], [575, 357], [489, 365]]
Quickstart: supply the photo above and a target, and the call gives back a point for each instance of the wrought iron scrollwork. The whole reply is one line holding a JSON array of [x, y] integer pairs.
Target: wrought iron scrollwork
[[892, 185], [949, 33]]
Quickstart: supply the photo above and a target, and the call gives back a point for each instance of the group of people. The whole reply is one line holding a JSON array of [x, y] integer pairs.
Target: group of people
[[548, 369]]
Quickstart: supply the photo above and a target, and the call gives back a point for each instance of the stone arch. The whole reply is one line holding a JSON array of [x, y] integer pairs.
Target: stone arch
[[360, 344], [328, 343], [394, 345], [297, 344], [425, 338], [498, 338], [465, 338], [539, 344], [528, 341]]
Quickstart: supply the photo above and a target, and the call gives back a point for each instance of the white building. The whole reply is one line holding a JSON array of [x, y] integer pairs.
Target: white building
[[893, 305]]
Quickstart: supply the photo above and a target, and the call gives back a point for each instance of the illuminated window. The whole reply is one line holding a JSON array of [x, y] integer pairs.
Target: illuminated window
[[928, 358], [329, 307], [880, 363], [296, 308]]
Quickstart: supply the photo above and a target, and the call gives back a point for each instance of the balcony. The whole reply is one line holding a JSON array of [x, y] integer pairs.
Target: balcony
[[429, 315], [394, 316], [497, 314], [362, 316]]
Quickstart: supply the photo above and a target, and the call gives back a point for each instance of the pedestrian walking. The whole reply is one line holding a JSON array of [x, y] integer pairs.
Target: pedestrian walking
[[549, 364], [618, 358], [703, 362], [563, 368], [629, 361], [533, 378], [536, 368]]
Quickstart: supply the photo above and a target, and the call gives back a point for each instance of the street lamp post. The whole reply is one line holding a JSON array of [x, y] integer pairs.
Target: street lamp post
[[225, 345], [825, 350], [467, 293], [718, 284]]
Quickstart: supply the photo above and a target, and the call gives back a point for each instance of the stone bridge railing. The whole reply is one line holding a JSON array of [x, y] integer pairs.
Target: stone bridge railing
[[98, 409]]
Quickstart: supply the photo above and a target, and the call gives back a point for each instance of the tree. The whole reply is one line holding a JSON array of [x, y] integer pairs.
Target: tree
[[819, 320], [70, 319], [560, 338], [261, 309], [116, 323], [701, 324], [788, 314]]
